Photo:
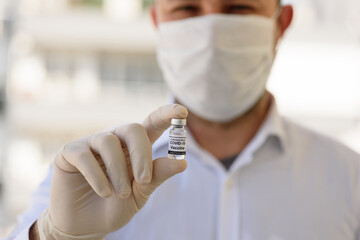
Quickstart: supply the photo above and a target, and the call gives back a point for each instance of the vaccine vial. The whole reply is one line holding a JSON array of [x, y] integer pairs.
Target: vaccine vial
[[177, 139]]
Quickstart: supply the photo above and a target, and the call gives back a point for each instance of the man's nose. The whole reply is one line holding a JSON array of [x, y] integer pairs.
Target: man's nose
[[213, 9]]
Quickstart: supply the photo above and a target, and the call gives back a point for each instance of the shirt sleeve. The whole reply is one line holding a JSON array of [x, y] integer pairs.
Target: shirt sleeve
[[39, 202]]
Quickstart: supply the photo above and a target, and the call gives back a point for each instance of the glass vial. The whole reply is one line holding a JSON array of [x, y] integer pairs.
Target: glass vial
[[177, 139]]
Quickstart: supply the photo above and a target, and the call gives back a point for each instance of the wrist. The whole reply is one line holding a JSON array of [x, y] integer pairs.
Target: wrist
[[33, 232], [47, 231]]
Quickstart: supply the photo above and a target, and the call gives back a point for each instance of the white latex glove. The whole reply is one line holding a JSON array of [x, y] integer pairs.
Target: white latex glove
[[100, 182]]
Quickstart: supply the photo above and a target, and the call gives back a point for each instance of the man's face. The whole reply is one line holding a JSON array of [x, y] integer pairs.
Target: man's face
[[170, 10], [243, 73]]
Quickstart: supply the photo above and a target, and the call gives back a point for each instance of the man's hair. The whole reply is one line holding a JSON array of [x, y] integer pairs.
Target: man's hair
[[154, 1]]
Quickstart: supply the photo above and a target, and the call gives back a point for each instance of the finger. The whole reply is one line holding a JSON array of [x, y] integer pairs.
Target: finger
[[64, 164], [164, 168], [139, 147], [109, 147], [80, 156], [160, 120]]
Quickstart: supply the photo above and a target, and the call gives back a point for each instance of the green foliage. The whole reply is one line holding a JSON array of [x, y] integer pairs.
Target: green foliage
[[147, 3], [88, 3]]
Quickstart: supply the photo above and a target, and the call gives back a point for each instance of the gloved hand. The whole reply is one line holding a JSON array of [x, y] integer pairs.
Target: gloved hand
[[100, 182]]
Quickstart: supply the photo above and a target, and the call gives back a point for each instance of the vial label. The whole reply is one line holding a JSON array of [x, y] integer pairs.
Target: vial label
[[177, 145]]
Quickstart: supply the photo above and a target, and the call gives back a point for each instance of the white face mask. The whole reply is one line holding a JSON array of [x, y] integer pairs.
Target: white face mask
[[217, 65]]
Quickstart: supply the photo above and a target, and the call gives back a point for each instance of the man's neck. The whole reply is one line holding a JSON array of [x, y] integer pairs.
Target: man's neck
[[224, 140]]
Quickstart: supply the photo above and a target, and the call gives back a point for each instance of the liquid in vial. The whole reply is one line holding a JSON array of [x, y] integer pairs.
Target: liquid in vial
[[177, 139]]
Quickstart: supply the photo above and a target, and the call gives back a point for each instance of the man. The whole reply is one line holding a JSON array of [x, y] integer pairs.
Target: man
[[250, 173]]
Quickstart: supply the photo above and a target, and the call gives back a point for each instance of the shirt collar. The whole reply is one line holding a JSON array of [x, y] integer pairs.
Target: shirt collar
[[272, 126]]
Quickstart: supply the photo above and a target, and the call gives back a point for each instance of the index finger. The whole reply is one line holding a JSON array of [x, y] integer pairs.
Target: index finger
[[160, 120]]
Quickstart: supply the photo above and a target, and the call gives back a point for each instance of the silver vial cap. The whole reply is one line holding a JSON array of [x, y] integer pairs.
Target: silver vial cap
[[181, 122]]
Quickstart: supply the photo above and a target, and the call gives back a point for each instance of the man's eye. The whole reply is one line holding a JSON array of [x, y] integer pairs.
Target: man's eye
[[239, 9], [187, 8]]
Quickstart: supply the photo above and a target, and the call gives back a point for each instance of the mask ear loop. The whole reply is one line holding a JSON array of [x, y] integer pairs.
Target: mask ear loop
[[276, 16], [278, 12]]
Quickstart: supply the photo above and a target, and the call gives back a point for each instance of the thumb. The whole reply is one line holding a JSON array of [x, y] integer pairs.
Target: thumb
[[159, 120], [163, 168]]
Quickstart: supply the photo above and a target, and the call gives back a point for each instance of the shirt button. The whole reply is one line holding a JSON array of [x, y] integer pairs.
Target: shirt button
[[228, 184]]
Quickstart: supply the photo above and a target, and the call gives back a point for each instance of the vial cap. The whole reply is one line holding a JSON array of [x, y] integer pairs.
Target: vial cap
[[181, 122]]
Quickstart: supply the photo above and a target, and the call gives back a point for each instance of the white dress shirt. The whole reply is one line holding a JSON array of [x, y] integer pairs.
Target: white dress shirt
[[288, 183]]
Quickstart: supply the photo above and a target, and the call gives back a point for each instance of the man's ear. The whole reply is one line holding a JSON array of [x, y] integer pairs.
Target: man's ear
[[153, 15], [285, 19]]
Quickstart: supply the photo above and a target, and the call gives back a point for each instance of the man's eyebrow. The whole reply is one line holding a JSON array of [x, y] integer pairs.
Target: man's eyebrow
[[182, 0], [245, 1]]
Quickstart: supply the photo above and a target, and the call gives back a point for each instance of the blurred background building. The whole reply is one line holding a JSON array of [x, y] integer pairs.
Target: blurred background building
[[69, 68]]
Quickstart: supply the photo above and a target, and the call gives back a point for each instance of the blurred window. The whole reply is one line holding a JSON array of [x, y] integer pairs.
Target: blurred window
[[59, 64], [129, 68]]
